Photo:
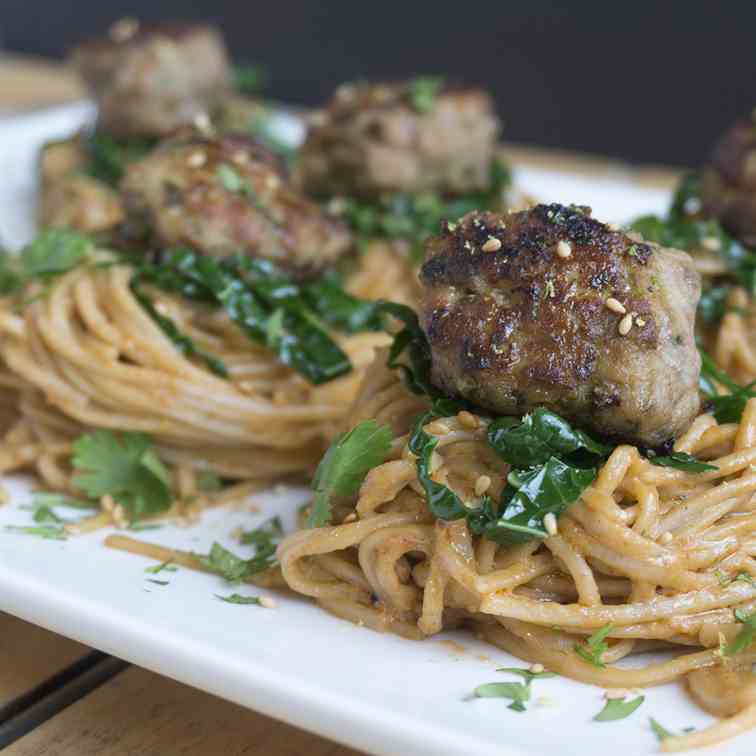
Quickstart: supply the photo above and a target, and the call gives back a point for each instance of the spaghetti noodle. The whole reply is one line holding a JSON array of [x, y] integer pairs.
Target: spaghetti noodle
[[661, 556]]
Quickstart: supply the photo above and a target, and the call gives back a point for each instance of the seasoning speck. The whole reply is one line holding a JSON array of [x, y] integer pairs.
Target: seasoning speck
[[550, 523], [267, 602], [492, 244], [482, 484]]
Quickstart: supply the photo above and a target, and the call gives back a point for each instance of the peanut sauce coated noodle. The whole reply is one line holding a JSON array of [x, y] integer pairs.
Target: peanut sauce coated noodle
[[663, 556]]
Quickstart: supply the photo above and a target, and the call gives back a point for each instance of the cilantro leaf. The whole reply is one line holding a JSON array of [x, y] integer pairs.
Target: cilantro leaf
[[109, 157], [236, 598], [163, 566], [746, 635], [50, 532], [518, 693], [595, 646], [662, 733], [682, 461], [225, 563], [249, 78], [423, 91], [618, 708], [345, 465], [124, 466], [55, 250]]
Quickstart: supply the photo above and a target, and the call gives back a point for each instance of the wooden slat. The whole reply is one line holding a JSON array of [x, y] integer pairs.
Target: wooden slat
[[30, 655], [138, 712], [27, 83]]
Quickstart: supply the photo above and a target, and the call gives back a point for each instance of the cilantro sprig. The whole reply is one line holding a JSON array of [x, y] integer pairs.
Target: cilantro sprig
[[595, 646], [618, 708], [345, 465], [746, 636], [124, 466]]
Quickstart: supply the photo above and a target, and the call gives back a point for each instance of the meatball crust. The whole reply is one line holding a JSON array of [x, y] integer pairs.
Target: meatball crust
[[229, 195], [70, 198], [149, 80], [377, 138], [549, 307], [728, 186]]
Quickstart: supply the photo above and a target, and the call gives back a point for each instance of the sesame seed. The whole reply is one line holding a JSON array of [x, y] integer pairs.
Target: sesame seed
[[550, 291], [492, 244], [609, 695], [467, 419], [612, 227], [482, 484], [563, 249], [351, 517], [436, 461], [625, 325], [615, 306], [437, 428], [711, 243], [666, 537], [267, 602], [640, 322], [550, 523], [202, 122], [536, 669], [196, 159], [123, 29]]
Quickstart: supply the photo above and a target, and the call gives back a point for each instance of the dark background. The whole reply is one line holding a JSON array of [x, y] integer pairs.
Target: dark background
[[645, 81]]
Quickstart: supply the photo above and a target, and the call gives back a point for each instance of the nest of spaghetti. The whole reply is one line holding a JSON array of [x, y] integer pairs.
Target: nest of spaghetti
[[532, 461], [192, 356], [661, 557]]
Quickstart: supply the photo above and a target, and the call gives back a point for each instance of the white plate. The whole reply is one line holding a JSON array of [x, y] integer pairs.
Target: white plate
[[375, 692]]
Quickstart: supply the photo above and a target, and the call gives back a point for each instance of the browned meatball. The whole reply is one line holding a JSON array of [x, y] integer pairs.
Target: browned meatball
[[728, 187], [377, 138], [229, 195], [147, 81], [68, 197], [549, 307]]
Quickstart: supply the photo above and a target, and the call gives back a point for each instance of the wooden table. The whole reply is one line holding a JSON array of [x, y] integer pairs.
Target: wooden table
[[60, 698]]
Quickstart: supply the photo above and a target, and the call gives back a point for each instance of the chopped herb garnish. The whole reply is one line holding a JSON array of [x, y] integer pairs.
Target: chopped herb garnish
[[595, 646], [124, 466], [250, 78], [662, 733], [424, 90], [183, 343], [225, 563], [746, 635], [682, 461], [209, 482], [727, 408], [236, 598], [345, 465], [618, 708], [50, 532], [157, 582], [163, 567], [53, 252], [50, 499], [267, 306], [518, 693], [415, 217], [109, 158], [536, 438]]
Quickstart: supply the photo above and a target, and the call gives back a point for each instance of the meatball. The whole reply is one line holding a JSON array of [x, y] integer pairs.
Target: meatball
[[412, 137], [549, 307], [728, 187], [147, 81], [226, 195], [70, 198]]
